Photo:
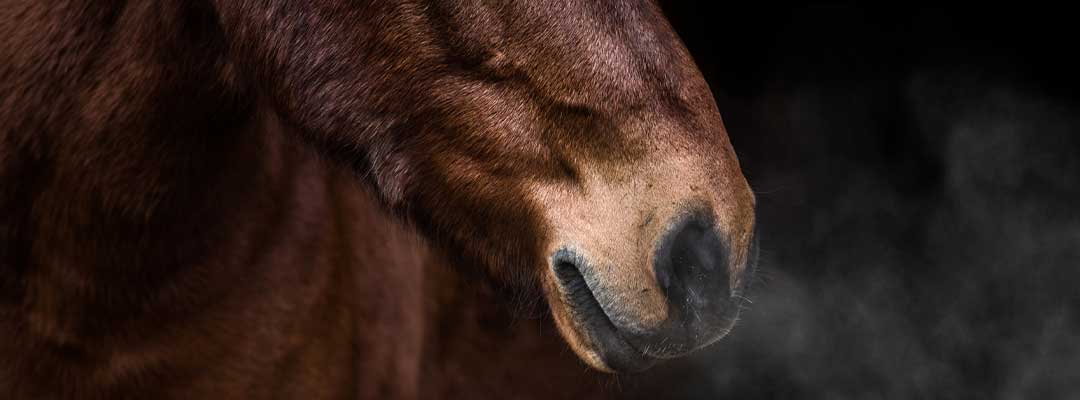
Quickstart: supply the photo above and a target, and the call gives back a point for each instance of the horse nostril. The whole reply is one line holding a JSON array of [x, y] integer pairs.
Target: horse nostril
[[691, 267]]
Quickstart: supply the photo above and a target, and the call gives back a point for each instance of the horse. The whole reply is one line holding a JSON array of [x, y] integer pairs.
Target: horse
[[358, 199]]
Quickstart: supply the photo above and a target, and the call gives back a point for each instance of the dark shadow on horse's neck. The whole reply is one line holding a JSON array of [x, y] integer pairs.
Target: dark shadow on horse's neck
[[130, 155]]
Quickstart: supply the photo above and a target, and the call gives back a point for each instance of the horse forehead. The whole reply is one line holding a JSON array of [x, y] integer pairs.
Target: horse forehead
[[572, 49], [503, 60]]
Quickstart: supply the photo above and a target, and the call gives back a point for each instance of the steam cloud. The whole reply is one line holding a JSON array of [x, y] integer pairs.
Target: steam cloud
[[925, 247], [918, 179]]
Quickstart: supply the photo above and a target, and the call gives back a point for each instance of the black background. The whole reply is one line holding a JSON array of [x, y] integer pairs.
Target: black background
[[918, 181]]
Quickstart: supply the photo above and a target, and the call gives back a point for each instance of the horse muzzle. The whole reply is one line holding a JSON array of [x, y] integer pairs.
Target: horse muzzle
[[701, 295]]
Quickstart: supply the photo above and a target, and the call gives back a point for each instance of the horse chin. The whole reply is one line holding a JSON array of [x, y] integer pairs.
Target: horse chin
[[587, 329]]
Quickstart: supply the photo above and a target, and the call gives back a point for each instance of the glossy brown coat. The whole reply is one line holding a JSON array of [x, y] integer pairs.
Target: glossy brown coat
[[263, 199]]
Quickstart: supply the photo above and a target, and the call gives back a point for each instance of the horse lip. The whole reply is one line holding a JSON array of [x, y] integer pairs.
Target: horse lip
[[611, 346]]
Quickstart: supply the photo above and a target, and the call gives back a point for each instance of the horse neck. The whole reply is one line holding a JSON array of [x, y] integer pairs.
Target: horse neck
[[127, 153], [477, 330]]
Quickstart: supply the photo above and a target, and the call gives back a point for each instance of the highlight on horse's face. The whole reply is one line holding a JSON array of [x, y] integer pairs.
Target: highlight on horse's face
[[577, 148]]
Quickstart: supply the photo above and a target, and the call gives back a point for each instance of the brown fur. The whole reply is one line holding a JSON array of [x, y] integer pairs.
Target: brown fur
[[168, 230]]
